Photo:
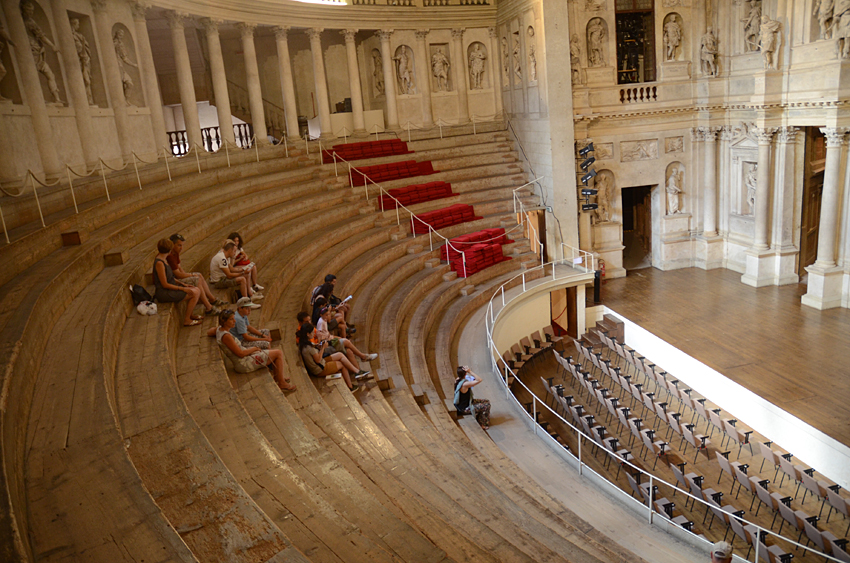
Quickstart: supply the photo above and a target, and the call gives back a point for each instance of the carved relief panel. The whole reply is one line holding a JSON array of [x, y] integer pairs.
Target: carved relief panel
[[631, 151], [377, 73]]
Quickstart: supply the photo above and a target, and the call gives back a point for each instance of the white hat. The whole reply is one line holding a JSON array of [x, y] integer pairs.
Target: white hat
[[246, 302], [721, 550]]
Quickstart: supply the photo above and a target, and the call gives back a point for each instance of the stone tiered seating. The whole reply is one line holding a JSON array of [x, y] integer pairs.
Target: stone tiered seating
[[368, 149], [148, 449], [390, 171]]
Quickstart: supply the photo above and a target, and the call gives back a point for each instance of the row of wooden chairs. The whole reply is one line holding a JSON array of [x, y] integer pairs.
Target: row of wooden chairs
[[529, 349]]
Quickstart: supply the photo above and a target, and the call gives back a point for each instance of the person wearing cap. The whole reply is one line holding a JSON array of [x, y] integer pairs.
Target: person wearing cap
[[721, 552], [195, 279], [246, 360], [340, 344], [225, 276], [244, 332]]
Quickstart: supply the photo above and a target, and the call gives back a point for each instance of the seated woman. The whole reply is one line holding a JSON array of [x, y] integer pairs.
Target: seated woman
[[340, 344], [336, 324], [317, 365], [246, 360], [171, 290], [327, 291], [465, 403], [241, 259]]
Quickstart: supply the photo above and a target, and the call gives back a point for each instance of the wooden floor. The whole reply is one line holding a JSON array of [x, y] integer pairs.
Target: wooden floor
[[764, 339]]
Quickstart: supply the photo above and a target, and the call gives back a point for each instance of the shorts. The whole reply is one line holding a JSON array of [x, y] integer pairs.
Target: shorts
[[225, 283], [191, 280], [251, 363], [333, 324], [261, 344]]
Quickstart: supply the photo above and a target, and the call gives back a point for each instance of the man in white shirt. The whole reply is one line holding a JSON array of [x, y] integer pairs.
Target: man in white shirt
[[224, 276]]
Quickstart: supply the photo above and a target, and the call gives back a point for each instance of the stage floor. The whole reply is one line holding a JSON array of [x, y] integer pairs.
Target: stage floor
[[796, 357]]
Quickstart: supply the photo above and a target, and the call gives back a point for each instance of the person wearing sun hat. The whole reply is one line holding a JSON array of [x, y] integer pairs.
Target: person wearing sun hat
[[721, 552], [246, 334]]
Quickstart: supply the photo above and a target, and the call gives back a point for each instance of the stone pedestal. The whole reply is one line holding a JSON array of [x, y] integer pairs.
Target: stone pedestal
[[759, 267], [676, 70], [709, 252], [608, 246], [601, 76], [785, 266], [824, 287], [675, 249]]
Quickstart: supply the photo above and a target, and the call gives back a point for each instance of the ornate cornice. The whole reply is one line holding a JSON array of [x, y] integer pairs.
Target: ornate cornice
[[139, 10], [788, 134], [698, 134], [764, 134], [727, 132], [98, 6]]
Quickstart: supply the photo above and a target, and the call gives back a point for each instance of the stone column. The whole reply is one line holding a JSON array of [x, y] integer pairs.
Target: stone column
[[830, 203], [33, 95], [496, 71], [255, 93], [424, 76], [354, 81], [389, 78], [148, 72], [114, 84], [287, 86], [219, 80], [784, 199], [184, 79], [763, 190], [322, 99], [459, 75], [726, 134], [76, 87], [710, 189], [696, 199]]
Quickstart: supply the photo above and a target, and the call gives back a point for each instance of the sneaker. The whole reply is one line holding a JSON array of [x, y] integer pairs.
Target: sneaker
[[350, 330], [362, 374], [370, 357], [355, 387], [213, 311], [257, 297], [219, 303], [258, 287], [333, 376]]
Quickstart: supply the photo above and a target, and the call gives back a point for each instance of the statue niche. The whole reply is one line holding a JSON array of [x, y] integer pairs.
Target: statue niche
[[125, 52], [597, 35], [44, 49], [673, 37], [476, 56], [674, 182], [404, 70], [377, 72]]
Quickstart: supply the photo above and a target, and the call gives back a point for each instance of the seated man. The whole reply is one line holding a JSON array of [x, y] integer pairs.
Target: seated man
[[340, 344], [243, 331], [225, 276], [246, 360], [337, 324], [195, 279], [327, 289]]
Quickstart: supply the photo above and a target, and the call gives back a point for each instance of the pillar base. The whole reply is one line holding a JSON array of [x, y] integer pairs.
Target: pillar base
[[785, 266], [824, 289], [608, 247], [708, 253], [759, 268], [360, 133], [845, 292]]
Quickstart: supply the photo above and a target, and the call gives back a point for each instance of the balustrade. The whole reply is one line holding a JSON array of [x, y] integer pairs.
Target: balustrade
[[642, 94], [178, 141]]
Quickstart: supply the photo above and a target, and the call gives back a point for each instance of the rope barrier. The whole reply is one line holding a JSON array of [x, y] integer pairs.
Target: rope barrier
[[5, 232]]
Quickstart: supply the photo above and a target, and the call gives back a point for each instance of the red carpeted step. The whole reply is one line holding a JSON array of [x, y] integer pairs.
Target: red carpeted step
[[445, 217], [368, 149], [489, 236], [390, 171]]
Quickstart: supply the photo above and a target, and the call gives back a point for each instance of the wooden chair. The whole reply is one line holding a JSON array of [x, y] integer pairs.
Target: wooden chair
[[769, 455], [839, 503], [698, 441]]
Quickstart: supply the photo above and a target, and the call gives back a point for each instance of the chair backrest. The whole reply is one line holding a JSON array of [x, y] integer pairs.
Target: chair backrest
[[715, 420], [634, 485], [689, 436], [536, 337], [763, 494], [700, 408], [738, 528], [814, 535], [724, 464], [838, 502], [839, 553], [811, 484], [680, 477], [788, 468], [743, 480], [674, 424], [768, 453], [788, 514], [731, 430]]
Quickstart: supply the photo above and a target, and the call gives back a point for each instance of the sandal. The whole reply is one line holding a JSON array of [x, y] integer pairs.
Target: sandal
[[212, 312], [196, 317], [288, 387], [218, 303], [194, 322]]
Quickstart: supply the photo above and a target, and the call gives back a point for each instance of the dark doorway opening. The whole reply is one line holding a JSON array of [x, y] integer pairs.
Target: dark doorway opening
[[637, 227], [635, 20], [812, 194]]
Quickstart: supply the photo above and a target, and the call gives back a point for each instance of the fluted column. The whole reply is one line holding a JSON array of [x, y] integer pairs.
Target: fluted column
[[31, 89], [114, 83], [185, 84], [287, 85], [830, 203], [389, 78], [495, 71], [322, 99], [459, 75], [710, 188], [252, 73], [148, 72], [76, 87], [423, 76], [726, 134], [762, 210], [354, 81], [219, 80]]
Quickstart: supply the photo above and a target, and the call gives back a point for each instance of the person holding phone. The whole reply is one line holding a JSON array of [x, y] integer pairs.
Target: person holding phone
[[318, 365], [465, 403]]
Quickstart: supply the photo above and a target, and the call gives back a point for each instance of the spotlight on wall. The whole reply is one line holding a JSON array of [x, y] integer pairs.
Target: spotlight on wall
[[589, 206], [587, 192], [587, 177], [586, 164], [585, 150]]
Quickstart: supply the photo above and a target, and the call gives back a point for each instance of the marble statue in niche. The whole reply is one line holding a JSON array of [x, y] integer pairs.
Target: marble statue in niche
[[708, 53], [37, 45], [404, 70], [752, 23], [823, 10], [378, 72], [506, 61], [440, 69], [596, 32], [532, 55], [673, 187], [477, 56], [575, 59], [517, 63], [84, 54], [674, 144], [4, 40], [750, 182], [603, 197], [672, 37], [841, 27], [594, 5], [123, 59], [638, 150], [768, 40]]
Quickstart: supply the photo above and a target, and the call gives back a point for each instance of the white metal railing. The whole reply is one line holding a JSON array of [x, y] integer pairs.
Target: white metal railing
[[490, 319]]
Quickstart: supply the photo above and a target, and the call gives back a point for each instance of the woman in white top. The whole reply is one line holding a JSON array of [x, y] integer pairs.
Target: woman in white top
[[246, 360], [340, 344]]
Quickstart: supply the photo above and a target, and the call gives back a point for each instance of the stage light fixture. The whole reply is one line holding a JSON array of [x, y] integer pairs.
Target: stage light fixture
[[587, 177], [586, 164], [585, 150], [587, 192], [589, 206]]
